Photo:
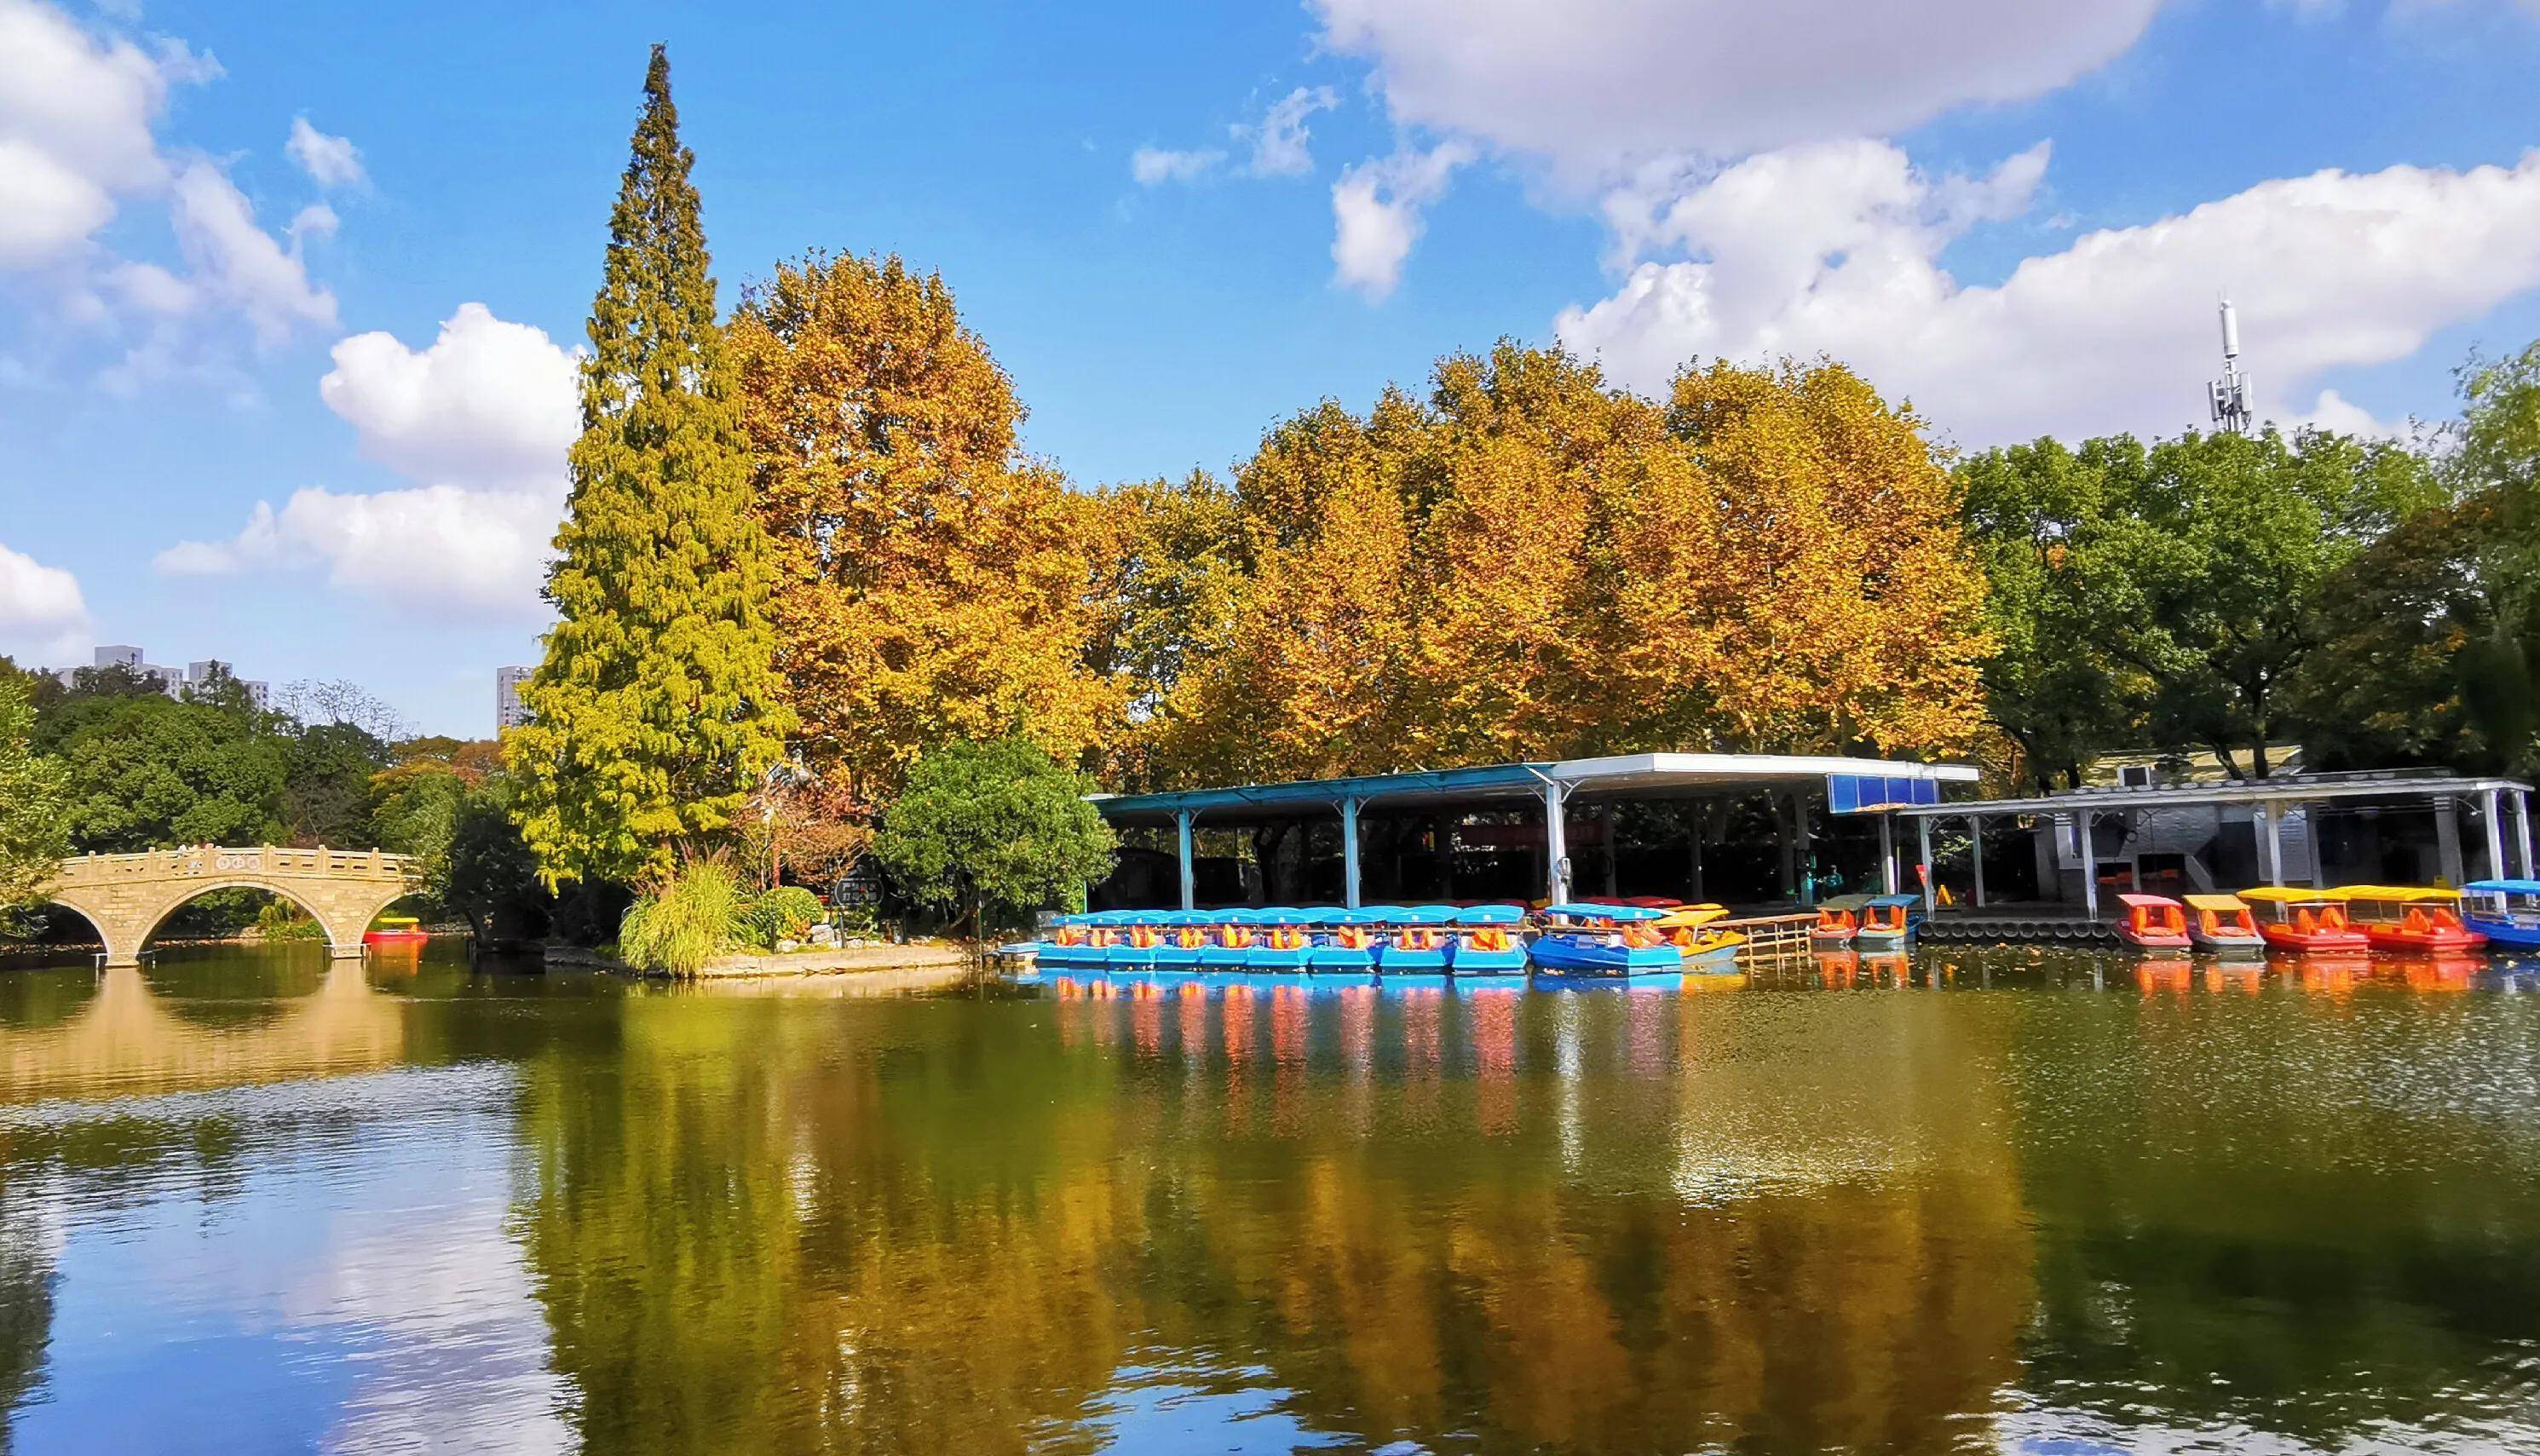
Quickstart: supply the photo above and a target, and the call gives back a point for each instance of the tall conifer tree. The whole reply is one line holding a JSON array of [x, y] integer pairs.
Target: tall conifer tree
[[657, 707]]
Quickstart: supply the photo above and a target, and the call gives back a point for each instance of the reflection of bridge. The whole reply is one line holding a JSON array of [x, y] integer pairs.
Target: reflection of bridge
[[126, 896], [129, 1041]]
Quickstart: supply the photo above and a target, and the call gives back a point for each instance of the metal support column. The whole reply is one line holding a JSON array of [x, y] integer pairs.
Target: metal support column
[[1701, 816], [1923, 834], [1190, 890], [2447, 847], [2523, 832], [2490, 804], [1780, 806], [1348, 852], [1556, 845], [1975, 853], [2271, 845], [2089, 863], [2311, 837], [1888, 854], [1800, 845]]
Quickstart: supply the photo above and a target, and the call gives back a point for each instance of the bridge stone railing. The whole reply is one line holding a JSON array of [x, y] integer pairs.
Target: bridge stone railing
[[212, 861]]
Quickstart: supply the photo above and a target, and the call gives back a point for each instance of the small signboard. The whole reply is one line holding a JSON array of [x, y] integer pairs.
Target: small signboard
[[1862, 793]]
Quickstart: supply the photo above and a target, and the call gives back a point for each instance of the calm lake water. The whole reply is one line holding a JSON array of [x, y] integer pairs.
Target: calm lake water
[[249, 1203]]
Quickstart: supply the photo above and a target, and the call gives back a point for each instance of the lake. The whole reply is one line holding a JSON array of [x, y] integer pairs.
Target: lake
[[2022, 1202]]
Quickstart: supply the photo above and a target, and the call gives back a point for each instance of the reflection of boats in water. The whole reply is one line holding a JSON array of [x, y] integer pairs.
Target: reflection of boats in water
[[2440, 972], [2165, 975]]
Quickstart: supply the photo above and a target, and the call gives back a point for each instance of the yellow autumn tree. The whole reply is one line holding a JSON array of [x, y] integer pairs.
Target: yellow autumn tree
[[1310, 679], [1529, 563], [932, 581], [1850, 599]]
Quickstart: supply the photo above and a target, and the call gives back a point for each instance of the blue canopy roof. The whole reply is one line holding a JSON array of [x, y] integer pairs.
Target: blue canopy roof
[[1490, 914], [1893, 900], [2505, 887]]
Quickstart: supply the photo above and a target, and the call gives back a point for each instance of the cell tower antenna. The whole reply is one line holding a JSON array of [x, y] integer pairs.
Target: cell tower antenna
[[2228, 396]]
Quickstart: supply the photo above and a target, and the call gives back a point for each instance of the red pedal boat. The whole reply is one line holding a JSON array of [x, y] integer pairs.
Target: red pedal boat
[[2306, 921], [2152, 923], [2410, 919]]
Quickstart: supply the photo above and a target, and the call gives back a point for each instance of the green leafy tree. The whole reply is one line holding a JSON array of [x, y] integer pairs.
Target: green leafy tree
[[2499, 459], [487, 873], [326, 793], [2402, 629], [655, 708], [989, 827], [34, 833], [2177, 584], [147, 771], [2047, 686]]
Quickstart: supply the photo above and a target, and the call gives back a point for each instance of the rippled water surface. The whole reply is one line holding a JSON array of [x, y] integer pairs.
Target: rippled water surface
[[1991, 1202]]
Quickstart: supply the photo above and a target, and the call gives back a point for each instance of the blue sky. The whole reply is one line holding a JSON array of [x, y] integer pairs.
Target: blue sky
[[242, 412]]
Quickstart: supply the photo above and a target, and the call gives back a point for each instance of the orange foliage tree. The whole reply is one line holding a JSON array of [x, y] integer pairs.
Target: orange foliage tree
[[1528, 563], [932, 579]]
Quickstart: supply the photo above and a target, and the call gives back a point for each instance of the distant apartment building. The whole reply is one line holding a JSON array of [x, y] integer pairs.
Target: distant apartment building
[[176, 682], [507, 712]]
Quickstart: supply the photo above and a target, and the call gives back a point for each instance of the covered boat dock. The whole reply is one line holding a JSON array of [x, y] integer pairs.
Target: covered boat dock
[[1797, 789], [2296, 825]]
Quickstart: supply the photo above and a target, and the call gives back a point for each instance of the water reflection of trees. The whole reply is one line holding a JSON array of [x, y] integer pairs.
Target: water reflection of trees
[[936, 1227]]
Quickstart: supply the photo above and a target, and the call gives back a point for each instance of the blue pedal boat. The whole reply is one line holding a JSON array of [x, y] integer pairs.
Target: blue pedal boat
[[1139, 933], [1485, 942], [1185, 934], [1285, 941], [2506, 910], [1419, 941], [1231, 940], [1069, 944], [1349, 942], [1605, 941]]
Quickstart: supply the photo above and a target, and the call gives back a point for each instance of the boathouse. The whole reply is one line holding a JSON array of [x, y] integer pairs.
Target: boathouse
[[1741, 827]]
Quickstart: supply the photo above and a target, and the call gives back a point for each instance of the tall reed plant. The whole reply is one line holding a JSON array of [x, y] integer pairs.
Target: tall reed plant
[[698, 913]]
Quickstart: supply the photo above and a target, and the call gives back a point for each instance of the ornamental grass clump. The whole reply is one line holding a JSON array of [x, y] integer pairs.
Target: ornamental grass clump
[[696, 915]]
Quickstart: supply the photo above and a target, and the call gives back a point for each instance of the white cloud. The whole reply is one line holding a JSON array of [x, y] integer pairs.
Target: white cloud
[[1150, 165], [1275, 146], [490, 403], [43, 616], [151, 289], [1376, 209], [481, 421], [330, 161], [76, 112], [440, 549], [316, 220], [1595, 86], [1835, 249], [1279, 141], [239, 262]]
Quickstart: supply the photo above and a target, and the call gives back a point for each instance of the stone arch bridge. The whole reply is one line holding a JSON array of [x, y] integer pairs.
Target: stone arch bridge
[[126, 896]]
